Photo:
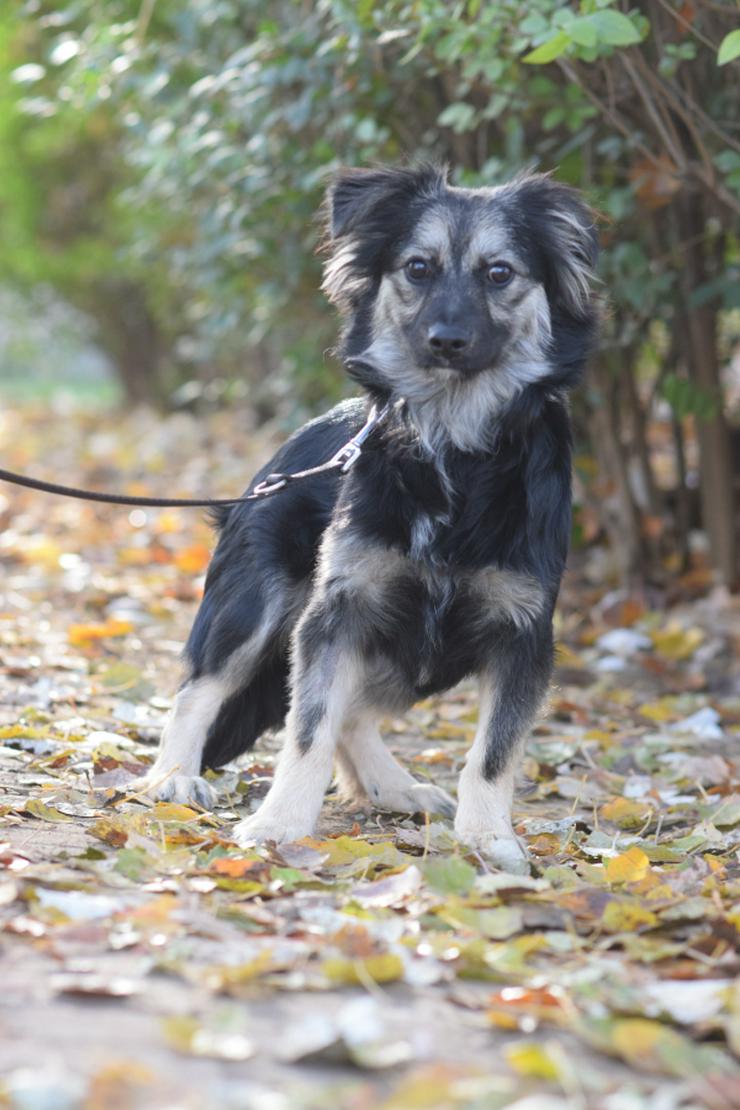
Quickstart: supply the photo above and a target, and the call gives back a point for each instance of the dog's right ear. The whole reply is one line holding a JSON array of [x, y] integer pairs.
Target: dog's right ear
[[356, 194], [366, 213]]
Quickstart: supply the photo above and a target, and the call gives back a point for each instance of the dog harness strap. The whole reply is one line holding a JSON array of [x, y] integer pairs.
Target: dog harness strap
[[344, 458]]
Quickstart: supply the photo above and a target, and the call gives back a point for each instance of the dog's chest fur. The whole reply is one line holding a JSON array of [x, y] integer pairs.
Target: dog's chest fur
[[404, 564]]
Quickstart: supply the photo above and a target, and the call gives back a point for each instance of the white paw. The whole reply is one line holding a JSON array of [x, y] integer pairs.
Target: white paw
[[506, 853], [258, 829], [176, 788], [420, 798]]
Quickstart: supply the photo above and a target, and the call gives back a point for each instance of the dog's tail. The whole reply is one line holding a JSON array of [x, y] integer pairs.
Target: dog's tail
[[246, 715]]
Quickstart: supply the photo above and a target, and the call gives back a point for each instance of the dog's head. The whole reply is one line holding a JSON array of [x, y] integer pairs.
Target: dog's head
[[465, 291]]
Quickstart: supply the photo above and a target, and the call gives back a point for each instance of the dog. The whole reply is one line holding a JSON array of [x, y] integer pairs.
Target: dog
[[469, 314]]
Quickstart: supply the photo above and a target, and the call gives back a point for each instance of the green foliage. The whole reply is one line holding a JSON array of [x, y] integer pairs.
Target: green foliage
[[585, 35], [688, 399], [729, 48], [185, 150]]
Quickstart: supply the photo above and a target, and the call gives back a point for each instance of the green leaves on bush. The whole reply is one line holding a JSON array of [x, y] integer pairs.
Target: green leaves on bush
[[595, 31], [729, 48]]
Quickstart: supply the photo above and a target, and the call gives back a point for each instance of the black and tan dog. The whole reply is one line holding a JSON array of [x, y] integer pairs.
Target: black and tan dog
[[440, 554]]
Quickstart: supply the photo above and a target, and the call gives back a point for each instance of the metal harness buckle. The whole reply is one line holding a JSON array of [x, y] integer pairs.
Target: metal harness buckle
[[344, 458], [347, 457]]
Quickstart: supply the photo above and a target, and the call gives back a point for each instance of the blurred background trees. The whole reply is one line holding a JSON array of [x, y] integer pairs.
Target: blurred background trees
[[161, 165]]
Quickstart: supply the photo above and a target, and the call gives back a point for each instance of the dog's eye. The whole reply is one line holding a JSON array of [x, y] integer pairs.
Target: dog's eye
[[500, 273], [417, 269]]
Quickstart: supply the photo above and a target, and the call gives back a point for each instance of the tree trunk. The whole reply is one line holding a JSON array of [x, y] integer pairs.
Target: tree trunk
[[621, 520], [131, 337], [717, 493]]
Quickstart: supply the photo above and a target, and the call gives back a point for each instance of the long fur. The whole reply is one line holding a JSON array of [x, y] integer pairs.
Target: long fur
[[440, 554]]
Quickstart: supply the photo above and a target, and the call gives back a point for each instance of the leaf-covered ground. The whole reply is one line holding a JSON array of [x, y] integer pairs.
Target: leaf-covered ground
[[146, 961]]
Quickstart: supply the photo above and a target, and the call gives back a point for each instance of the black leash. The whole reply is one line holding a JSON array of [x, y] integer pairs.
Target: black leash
[[344, 458]]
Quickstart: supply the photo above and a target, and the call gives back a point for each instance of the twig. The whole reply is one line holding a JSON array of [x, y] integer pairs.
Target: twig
[[608, 114], [687, 24], [718, 189], [665, 131], [692, 106], [722, 9]]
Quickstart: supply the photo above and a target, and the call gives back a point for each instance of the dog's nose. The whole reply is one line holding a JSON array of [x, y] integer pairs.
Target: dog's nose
[[447, 339]]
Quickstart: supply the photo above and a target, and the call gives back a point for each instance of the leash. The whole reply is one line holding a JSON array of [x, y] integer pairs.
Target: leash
[[343, 460]]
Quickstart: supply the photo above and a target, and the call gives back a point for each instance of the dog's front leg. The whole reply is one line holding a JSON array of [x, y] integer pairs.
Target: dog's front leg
[[368, 772], [511, 690], [325, 684]]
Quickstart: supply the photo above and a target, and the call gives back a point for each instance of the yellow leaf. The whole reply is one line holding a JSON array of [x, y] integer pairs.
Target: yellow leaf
[[502, 1020], [624, 917], [37, 808], [629, 867], [169, 521], [134, 556], [82, 635], [42, 550], [157, 913], [662, 710], [193, 559], [625, 812], [171, 811], [601, 736], [24, 732], [532, 1059], [566, 657], [230, 978], [676, 643], [383, 968], [647, 1045], [111, 830], [347, 850]]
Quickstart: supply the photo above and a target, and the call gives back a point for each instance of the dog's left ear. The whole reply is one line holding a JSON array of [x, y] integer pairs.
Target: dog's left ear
[[565, 225]]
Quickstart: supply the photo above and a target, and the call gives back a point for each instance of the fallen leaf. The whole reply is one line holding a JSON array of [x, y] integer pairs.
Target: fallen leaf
[[449, 876], [83, 635], [626, 813], [620, 917], [629, 867], [383, 968]]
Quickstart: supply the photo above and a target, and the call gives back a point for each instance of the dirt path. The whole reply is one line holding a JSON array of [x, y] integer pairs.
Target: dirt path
[[145, 961]]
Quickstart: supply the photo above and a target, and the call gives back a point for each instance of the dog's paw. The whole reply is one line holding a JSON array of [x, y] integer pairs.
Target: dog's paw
[[420, 798], [505, 853], [176, 788], [258, 829]]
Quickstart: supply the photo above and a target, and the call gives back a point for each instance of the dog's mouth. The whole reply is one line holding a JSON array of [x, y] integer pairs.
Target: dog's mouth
[[452, 368], [444, 372], [360, 366]]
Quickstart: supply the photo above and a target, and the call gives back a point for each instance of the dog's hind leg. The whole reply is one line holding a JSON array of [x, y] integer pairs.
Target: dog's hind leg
[[511, 691], [175, 774], [366, 769], [196, 724]]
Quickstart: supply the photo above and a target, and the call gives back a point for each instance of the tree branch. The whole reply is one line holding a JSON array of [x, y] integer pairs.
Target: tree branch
[[664, 128], [688, 25], [608, 114]]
